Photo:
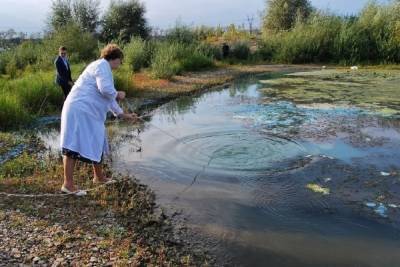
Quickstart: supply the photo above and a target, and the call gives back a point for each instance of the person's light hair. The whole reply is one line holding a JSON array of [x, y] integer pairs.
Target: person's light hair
[[111, 51]]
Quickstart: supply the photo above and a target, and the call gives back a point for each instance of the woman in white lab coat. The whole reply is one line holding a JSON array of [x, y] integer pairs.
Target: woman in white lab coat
[[83, 133]]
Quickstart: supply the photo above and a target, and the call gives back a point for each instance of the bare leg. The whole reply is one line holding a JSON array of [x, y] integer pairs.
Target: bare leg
[[69, 165], [99, 174]]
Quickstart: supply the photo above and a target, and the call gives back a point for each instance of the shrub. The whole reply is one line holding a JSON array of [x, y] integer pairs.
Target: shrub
[[370, 37], [240, 50], [136, 54], [123, 79], [165, 62], [266, 50], [11, 68], [209, 50], [81, 45], [181, 34], [196, 61], [12, 113], [172, 58]]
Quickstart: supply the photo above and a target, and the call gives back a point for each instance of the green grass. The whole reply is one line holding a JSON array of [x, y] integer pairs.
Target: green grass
[[12, 113], [371, 37], [136, 54], [19, 167], [123, 79], [171, 58]]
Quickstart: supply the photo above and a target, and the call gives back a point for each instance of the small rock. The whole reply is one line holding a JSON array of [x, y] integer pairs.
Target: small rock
[[93, 259]]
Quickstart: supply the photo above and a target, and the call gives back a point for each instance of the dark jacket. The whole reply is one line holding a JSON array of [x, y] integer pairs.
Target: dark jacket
[[63, 73]]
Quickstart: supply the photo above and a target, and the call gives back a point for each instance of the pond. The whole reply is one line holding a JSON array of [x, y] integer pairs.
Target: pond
[[274, 180]]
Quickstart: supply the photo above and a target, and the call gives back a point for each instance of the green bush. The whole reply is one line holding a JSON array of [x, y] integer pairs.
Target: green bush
[[12, 68], [209, 50], [81, 45], [136, 54], [240, 50], [4, 59], [266, 50], [172, 58], [123, 79], [196, 61], [181, 34], [12, 113], [165, 62], [371, 37], [37, 93]]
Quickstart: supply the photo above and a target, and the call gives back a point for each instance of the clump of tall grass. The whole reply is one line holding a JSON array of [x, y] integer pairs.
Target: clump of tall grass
[[181, 34], [172, 58], [24, 98], [12, 113], [210, 50], [165, 62], [37, 92], [123, 79], [370, 37], [240, 50], [137, 54]]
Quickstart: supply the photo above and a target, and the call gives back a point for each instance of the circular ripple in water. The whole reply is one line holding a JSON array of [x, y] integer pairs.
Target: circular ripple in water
[[232, 151]]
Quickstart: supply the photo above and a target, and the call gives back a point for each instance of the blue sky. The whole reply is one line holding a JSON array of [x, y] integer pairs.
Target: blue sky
[[29, 15]]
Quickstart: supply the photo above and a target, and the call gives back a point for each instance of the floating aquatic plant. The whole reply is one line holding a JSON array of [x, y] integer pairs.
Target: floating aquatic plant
[[318, 189]]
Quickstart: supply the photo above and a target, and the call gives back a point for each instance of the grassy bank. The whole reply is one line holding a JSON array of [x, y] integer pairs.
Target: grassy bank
[[115, 225], [33, 94]]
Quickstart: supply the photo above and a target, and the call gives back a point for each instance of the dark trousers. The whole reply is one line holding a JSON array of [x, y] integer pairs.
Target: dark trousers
[[66, 89]]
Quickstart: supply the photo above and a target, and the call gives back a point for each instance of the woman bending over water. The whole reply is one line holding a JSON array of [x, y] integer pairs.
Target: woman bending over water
[[83, 133]]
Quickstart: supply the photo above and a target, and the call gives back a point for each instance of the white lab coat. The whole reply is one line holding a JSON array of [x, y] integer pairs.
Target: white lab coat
[[85, 110]]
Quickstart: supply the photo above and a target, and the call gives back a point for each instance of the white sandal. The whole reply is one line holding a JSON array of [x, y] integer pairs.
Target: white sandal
[[78, 193]]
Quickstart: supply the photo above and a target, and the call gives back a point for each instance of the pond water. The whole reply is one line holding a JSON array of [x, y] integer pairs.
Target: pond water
[[238, 164]]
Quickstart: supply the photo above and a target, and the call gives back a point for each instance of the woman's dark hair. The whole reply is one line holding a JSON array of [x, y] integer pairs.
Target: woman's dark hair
[[111, 51]]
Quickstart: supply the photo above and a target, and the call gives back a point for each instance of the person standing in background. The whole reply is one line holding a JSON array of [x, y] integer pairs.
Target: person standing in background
[[63, 78]]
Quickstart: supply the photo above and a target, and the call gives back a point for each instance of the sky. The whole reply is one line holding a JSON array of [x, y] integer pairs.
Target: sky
[[30, 15]]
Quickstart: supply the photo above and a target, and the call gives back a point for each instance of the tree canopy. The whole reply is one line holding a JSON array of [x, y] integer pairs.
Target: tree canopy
[[123, 20], [283, 14]]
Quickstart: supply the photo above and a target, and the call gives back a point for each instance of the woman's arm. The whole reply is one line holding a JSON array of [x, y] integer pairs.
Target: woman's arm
[[116, 109], [105, 82]]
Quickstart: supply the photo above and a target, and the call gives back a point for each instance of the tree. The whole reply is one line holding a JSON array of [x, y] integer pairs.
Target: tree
[[283, 14], [83, 13], [60, 14], [86, 14], [123, 20]]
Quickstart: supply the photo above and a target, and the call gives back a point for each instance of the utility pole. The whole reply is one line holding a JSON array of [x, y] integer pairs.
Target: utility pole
[[250, 21]]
